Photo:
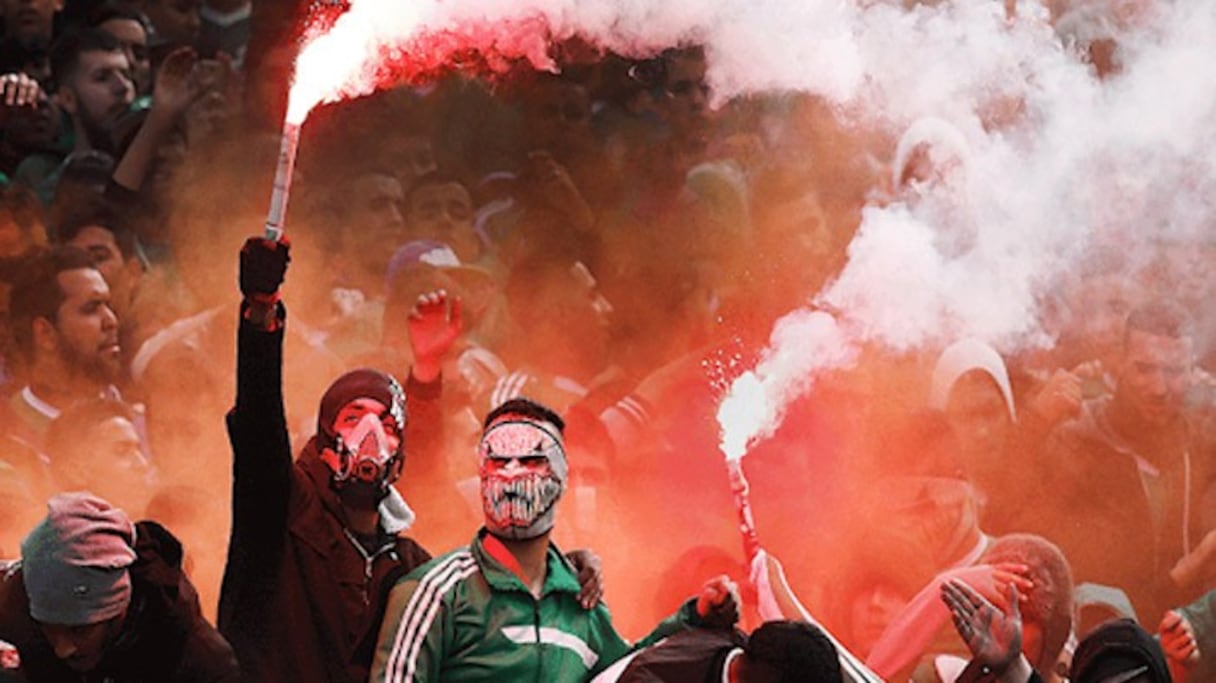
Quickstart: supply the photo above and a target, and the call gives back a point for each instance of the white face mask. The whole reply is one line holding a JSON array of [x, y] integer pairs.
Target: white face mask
[[364, 454], [520, 498]]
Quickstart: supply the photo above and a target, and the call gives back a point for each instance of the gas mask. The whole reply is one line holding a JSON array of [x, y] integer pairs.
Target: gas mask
[[364, 456], [520, 498]]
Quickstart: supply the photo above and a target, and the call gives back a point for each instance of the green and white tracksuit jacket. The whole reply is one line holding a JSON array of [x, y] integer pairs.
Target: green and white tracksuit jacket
[[466, 617]]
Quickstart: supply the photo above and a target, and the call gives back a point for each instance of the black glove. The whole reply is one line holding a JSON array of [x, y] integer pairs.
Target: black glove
[[263, 264]]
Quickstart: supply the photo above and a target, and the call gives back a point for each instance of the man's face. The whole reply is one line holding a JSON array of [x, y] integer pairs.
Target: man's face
[[87, 327], [1103, 304], [110, 462], [119, 276], [30, 21], [518, 495], [82, 648], [176, 22], [1155, 375], [444, 212], [417, 158], [687, 102], [33, 128], [979, 420], [351, 413], [99, 92], [134, 41], [523, 472], [375, 217], [559, 118], [584, 312], [872, 611]]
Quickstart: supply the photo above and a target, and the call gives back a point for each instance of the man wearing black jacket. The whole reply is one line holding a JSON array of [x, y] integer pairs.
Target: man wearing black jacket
[[315, 541], [97, 598], [316, 544]]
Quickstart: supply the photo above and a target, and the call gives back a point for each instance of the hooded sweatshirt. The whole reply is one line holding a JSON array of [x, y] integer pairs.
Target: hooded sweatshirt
[[164, 637]]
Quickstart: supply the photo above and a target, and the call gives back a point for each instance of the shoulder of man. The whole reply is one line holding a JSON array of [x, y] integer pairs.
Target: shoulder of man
[[418, 599]]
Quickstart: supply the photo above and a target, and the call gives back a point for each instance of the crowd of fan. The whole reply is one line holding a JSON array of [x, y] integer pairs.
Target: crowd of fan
[[559, 268]]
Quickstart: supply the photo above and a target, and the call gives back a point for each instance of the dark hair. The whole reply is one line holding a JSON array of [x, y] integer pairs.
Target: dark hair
[[65, 54], [525, 407], [68, 433], [796, 650], [1117, 647], [1159, 317], [37, 293], [96, 212], [21, 204], [1049, 603], [16, 57], [433, 178], [115, 9]]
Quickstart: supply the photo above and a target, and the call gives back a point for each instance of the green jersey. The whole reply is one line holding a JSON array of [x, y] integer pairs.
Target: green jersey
[[466, 617]]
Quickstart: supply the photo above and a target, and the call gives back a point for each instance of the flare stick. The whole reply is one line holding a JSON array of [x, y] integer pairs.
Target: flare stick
[[282, 181], [747, 524]]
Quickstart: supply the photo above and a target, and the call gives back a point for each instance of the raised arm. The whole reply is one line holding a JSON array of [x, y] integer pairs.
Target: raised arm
[[257, 430]]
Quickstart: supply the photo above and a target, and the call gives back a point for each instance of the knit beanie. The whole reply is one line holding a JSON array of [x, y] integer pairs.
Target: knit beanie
[[1118, 647], [74, 563]]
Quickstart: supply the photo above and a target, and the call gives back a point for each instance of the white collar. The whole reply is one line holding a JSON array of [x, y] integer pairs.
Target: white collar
[[224, 20], [39, 405], [730, 657]]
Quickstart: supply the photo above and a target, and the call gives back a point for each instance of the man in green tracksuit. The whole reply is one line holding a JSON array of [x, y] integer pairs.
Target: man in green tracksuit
[[506, 607]]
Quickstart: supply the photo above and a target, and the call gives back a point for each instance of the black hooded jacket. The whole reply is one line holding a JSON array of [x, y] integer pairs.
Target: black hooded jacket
[[164, 637], [302, 599]]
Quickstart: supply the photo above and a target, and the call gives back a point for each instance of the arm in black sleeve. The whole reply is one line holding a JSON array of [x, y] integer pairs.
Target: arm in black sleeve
[[261, 469]]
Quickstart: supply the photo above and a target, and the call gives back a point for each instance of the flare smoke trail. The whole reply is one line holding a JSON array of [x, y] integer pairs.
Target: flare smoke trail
[[1054, 158]]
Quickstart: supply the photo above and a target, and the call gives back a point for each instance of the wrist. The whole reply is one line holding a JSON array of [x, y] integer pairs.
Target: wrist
[[426, 370], [1017, 672], [262, 311], [160, 119]]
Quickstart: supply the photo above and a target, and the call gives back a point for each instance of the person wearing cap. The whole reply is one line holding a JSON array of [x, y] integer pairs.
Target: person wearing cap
[[317, 543], [506, 607], [1119, 651], [97, 598]]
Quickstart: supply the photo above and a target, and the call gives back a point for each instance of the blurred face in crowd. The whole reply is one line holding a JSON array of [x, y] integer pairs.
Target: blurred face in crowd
[[33, 128], [415, 157], [980, 421], [373, 210], [687, 102], [559, 118], [377, 200], [30, 22], [121, 276], [134, 41], [1102, 306], [872, 611], [14, 240], [85, 331], [1155, 375], [444, 212], [98, 93], [176, 22], [82, 648], [582, 311], [110, 463]]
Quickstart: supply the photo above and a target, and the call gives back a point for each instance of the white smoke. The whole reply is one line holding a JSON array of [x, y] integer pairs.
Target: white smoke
[[1078, 160], [802, 344]]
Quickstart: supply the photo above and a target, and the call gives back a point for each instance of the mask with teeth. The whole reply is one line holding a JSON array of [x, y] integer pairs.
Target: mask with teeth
[[523, 474]]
